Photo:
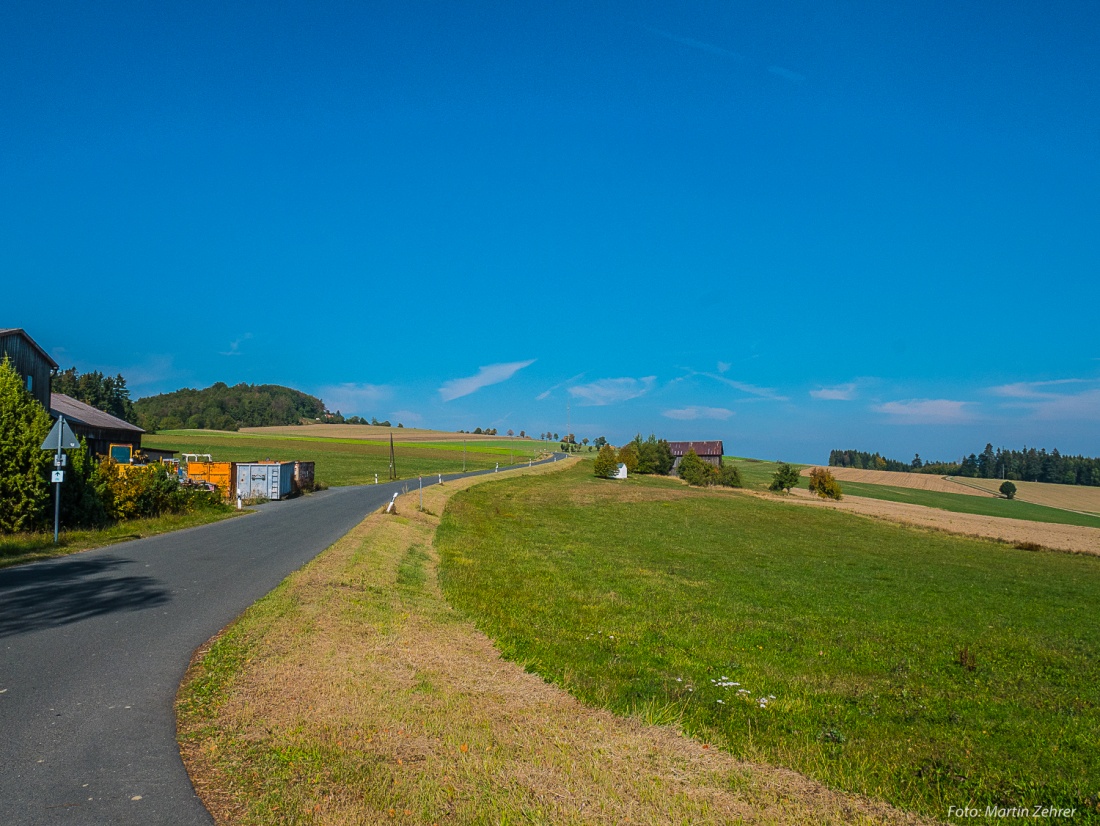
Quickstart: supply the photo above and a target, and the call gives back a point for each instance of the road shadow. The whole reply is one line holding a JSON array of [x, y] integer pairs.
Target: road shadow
[[34, 597]]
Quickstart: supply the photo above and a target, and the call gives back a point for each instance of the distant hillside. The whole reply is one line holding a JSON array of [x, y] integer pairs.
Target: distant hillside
[[221, 407]]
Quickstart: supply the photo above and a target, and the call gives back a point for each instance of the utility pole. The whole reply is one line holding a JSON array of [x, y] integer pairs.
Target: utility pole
[[393, 460]]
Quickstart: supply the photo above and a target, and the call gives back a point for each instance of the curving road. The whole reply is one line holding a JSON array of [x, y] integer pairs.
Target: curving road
[[93, 647]]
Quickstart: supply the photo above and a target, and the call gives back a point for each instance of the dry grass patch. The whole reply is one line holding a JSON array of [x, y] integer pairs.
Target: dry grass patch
[[1082, 498], [354, 694], [1019, 532], [917, 481]]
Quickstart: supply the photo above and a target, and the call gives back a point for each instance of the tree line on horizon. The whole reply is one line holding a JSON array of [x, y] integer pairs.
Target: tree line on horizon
[[1027, 465], [106, 393], [221, 407]]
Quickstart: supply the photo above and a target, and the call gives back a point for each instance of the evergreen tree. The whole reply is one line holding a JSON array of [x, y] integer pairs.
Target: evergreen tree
[[695, 471], [24, 486], [97, 390]]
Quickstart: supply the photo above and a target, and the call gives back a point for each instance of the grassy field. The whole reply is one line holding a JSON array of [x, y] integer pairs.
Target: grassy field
[[757, 475], [16, 549], [348, 461], [354, 694], [922, 668]]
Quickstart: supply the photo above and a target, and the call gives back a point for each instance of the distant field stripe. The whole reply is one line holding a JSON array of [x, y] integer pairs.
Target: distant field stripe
[[963, 503]]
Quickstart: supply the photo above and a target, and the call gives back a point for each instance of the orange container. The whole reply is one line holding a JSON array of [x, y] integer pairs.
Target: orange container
[[220, 474]]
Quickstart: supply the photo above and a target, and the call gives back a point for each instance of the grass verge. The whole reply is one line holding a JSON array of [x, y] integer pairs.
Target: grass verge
[[354, 694], [926, 669], [15, 549]]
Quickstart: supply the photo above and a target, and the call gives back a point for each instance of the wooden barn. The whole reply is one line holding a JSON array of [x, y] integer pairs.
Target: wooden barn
[[709, 452], [100, 429], [31, 362]]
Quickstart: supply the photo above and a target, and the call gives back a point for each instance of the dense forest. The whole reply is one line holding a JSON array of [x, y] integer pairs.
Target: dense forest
[[221, 407], [1029, 465], [97, 390]]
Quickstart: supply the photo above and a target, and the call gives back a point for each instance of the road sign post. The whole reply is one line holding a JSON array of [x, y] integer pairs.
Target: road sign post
[[61, 437]]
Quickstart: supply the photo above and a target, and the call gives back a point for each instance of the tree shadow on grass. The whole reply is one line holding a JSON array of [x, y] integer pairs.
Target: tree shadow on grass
[[34, 597]]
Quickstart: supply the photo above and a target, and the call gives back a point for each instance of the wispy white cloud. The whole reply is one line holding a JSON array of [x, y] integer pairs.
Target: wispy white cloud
[[927, 411], [1033, 389], [836, 393], [611, 391], [692, 43], [694, 412], [235, 345], [485, 376], [1076, 407], [786, 74], [752, 389], [545, 394], [1045, 402], [353, 399], [724, 366]]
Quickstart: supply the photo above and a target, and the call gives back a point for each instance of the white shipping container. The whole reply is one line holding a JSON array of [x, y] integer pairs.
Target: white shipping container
[[270, 480]]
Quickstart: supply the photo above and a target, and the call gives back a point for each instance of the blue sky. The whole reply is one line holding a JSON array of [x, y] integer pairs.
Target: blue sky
[[792, 226]]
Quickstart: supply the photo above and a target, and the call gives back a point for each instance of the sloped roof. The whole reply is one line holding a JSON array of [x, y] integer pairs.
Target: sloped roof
[[85, 414], [700, 448], [19, 331]]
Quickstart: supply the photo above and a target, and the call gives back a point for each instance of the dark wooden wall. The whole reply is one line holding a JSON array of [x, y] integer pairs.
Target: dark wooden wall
[[28, 362]]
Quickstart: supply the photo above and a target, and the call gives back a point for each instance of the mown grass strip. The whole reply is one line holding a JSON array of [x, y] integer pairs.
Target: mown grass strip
[[926, 669]]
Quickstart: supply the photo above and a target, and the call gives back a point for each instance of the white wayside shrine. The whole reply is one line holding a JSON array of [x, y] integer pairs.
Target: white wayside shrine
[[621, 472], [61, 437]]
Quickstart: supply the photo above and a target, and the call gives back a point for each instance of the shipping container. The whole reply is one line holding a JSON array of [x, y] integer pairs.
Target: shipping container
[[219, 474], [267, 480], [303, 476]]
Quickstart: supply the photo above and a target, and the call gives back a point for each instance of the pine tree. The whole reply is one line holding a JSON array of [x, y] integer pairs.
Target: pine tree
[[24, 486]]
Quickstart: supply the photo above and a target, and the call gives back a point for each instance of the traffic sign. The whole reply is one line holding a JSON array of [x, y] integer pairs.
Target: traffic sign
[[61, 437], [57, 476]]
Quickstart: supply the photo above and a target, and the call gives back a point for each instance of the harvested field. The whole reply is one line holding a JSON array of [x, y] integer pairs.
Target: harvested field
[[1072, 538], [354, 694], [373, 433], [1084, 498], [919, 481]]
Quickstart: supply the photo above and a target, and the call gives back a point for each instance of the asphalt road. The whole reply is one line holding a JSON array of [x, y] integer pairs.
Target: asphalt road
[[93, 647]]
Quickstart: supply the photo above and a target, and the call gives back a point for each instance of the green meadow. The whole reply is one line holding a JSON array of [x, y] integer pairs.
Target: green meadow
[[350, 461], [757, 474], [921, 668]]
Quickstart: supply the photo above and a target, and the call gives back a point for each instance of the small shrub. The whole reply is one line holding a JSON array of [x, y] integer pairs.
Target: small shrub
[[606, 464], [1008, 489], [785, 477], [824, 484], [729, 476]]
